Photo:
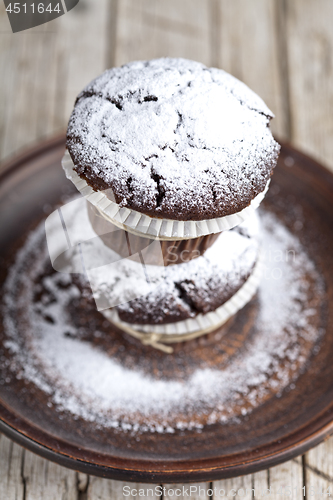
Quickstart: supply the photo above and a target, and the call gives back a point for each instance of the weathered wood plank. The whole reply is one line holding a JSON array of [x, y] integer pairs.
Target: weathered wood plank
[[28, 83], [282, 481], [260, 483], [195, 491], [286, 481], [104, 489], [82, 51], [317, 486], [319, 469], [247, 46], [156, 28], [321, 458], [310, 57], [238, 487], [46, 480], [11, 482], [8, 50], [44, 68]]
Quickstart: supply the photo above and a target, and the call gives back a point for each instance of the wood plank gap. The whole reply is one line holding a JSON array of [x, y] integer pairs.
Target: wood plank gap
[[281, 13], [111, 33], [252, 487], [211, 489], [10, 455], [304, 476], [318, 472], [23, 476], [82, 492]]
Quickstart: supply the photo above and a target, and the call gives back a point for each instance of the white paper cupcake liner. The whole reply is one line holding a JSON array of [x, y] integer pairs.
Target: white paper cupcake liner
[[193, 327], [144, 225]]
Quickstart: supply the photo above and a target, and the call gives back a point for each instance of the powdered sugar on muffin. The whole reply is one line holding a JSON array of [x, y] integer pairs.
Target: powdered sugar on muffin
[[173, 139]]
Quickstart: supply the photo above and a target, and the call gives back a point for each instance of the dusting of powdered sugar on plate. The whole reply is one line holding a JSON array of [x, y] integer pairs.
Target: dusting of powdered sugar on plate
[[173, 138], [85, 382]]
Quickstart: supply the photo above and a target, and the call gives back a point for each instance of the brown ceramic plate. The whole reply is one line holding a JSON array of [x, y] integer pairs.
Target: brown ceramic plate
[[284, 426]]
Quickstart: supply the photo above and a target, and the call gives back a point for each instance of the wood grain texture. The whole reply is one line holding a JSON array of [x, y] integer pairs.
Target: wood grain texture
[[318, 469], [44, 479], [310, 61], [286, 480], [82, 50], [247, 46], [283, 481], [157, 28], [260, 483], [321, 459], [104, 489], [45, 68], [239, 487], [24, 101], [11, 461], [196, 491]]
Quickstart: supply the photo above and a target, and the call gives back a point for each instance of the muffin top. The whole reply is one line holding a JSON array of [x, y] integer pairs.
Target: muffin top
[[173, 139], [175, 293]]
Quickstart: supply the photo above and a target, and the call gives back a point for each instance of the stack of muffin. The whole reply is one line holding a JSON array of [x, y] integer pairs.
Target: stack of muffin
[[173, 158]]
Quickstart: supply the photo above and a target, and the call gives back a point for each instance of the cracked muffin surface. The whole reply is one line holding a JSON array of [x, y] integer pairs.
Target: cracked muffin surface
[[173, 139], [157, 295]]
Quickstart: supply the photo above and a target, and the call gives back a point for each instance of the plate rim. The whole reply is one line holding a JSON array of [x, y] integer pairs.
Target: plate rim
[[154, 471], [193, 470]]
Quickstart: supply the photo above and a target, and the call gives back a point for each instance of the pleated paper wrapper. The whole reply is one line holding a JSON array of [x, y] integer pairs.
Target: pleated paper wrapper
[[150, 227], [202, 323]]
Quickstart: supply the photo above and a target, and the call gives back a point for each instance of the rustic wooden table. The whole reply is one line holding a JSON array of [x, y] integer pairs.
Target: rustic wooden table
[[283, 49]]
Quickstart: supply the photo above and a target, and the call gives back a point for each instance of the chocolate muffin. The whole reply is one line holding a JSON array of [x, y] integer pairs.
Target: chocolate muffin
[[172, 139], [153, 295]]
